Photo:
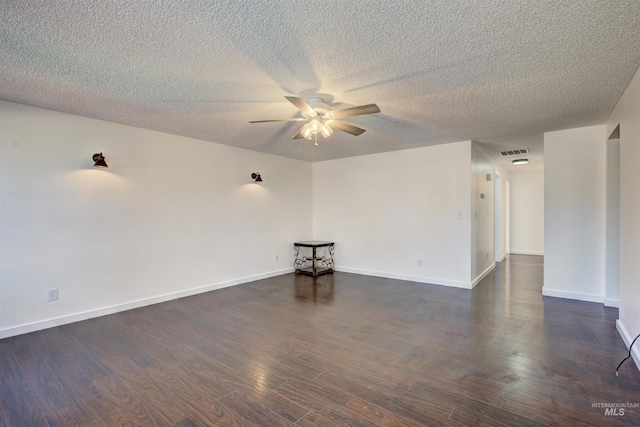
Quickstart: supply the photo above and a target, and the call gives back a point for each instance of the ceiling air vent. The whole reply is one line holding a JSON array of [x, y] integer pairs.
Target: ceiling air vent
[[513, 152]]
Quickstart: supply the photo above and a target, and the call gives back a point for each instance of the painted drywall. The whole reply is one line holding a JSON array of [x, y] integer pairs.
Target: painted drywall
[[504, 212], [527, 212], [482, 218], [171, 216], [388, 211], [627, 115], [612, 262], [574, 213]]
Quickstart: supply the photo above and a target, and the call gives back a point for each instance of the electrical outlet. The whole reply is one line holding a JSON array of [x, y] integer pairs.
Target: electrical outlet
[[419, 262], [52, 294], [276, 258]]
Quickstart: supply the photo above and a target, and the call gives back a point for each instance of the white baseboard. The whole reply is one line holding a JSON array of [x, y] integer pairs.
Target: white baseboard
[[419, 279], [610, 302], [624, 334], [482, 275], [77, 317], [520, 252], [572, 295]]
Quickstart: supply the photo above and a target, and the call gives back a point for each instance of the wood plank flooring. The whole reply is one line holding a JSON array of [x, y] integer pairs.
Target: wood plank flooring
[[342, 349]]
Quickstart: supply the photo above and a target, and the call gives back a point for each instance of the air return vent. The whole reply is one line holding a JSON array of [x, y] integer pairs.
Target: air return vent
[[513, 152]]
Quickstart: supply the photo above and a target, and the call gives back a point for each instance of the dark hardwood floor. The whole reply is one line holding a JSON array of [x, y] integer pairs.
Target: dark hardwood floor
[[341, 349]]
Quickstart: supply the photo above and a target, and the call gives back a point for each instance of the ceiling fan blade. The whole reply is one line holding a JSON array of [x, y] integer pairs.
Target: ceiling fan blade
[[355, 111], [301, 105], [346, 127], [296, 119]]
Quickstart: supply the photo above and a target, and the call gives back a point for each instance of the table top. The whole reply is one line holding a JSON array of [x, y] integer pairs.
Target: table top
[[313, 243]]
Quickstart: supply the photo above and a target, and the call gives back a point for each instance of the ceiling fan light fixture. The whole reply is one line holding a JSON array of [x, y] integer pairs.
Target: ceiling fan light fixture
[[315, 126], [306, 131], [326, 130]]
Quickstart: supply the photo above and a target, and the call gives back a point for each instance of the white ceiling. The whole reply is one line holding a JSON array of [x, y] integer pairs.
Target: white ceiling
[[500, 72]]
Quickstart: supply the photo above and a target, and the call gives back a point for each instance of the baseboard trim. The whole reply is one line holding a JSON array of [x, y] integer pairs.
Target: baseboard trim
[[610, 302], [572, 295], [419, 279], [519, 252], [482, 275], [628, 339], [90, 314]]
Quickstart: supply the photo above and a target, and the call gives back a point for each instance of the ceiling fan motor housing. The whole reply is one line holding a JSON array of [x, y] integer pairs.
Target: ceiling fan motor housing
[[319, 106]]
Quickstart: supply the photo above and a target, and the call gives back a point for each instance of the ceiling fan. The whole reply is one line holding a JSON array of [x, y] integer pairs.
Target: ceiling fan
[[321, 120]]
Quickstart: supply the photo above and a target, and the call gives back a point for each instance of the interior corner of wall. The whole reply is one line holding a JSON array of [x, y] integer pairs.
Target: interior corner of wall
[[482, 275]]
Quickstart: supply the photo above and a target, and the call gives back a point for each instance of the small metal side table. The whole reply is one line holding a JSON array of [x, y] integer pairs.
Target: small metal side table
[[320, 262]]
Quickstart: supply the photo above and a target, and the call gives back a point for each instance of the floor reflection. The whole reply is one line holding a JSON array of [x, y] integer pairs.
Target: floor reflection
[[313, 290]]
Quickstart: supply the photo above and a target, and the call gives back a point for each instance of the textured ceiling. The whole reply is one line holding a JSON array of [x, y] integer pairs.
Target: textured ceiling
[[440, 71]]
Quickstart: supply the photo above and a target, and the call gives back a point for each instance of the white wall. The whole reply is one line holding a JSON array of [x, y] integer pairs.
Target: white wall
[[386, 211], [172, 216], [575, 213], [527, 212], [505, 211], [482, 218], [627, 115], [612, 261]]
